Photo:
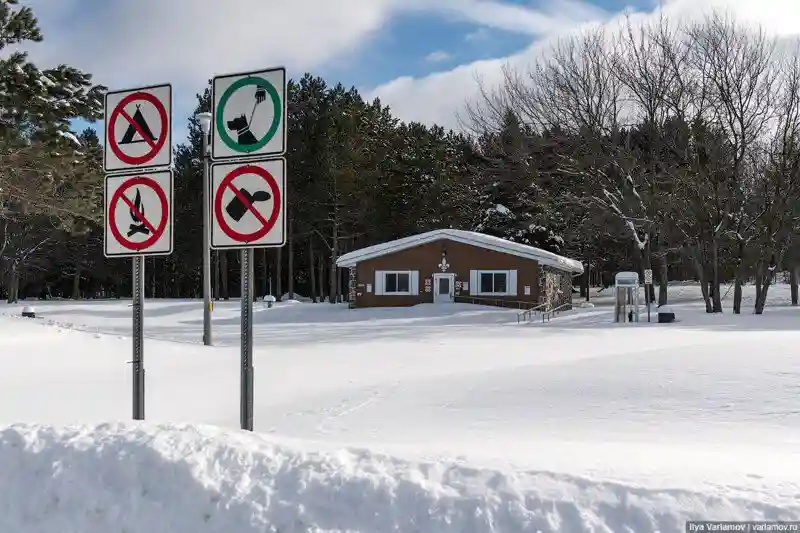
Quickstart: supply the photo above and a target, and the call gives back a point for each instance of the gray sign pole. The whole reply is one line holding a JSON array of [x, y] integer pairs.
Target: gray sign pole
[[205, 125], [138, 338], [246, 405]]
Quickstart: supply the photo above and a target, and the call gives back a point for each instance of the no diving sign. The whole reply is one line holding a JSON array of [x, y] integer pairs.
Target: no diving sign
[[248, 204], [138, 129], [138, 214]]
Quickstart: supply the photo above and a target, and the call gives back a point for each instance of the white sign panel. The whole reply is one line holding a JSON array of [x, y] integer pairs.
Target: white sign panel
[[138, 214], [138, 129], [648, 276], [249, 117], [248, 204]]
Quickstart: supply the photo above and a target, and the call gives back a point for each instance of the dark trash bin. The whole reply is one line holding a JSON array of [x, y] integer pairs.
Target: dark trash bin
[[665, 314], [28, 312]]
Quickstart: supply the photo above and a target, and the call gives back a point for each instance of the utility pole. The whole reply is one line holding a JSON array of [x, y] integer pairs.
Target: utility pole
[[205, 125]]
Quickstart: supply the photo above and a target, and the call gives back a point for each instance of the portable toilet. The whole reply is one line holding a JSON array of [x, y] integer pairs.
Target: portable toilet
[[626, 297]]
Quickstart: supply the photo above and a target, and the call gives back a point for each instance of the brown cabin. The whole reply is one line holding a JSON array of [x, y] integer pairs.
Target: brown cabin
[[448, 266]]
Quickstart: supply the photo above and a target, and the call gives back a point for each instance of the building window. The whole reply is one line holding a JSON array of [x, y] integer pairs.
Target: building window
[[494, 282], [397, 283]]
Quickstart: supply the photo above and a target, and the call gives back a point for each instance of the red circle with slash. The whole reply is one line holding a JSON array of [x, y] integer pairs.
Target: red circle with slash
[[266, 223], [155, 232], [155, 147]]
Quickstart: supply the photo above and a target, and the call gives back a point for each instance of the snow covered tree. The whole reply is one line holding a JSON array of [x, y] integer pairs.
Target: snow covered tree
[[512, 204], [49, 175]]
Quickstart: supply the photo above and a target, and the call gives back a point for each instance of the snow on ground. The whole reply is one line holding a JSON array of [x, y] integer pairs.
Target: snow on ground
[[472, 421]]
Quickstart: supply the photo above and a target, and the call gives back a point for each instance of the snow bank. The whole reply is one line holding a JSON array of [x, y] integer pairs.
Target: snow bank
[[189, 479]]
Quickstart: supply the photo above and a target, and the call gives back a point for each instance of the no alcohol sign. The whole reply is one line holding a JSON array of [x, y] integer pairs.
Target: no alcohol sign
[[248, 202], [138, 129], [138, 214], [249, 114]]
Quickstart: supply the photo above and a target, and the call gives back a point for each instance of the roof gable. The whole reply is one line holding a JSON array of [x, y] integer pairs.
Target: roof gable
[[466, 237]]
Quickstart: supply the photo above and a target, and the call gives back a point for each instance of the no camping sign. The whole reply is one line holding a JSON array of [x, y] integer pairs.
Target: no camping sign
[[138, 129]]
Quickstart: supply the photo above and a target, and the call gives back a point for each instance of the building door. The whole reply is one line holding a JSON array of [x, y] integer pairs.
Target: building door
[[443, 288]]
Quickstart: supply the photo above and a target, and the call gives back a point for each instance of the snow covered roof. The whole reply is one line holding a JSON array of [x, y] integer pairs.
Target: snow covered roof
[[466, 237]]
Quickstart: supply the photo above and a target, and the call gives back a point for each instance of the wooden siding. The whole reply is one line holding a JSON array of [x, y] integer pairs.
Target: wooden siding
[[461, 258]]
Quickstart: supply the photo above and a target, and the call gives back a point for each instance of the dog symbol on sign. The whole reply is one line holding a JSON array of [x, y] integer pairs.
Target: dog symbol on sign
[[236, 208], [241, 124], [138, 225]]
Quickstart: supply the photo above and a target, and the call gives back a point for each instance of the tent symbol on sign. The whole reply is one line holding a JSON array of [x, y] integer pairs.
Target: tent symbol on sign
[[133, 132]]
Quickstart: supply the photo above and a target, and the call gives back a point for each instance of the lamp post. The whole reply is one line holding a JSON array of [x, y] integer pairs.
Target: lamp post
[[205, 125]]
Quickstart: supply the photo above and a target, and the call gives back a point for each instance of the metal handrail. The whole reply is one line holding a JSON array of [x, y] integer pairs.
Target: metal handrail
[[551, 312], [478, 299], [530, 311]]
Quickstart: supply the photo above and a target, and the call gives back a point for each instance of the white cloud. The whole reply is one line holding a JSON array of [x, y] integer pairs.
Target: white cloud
[[439, 97], [553, 16], [127, 43], [481, 34], [437, 56]]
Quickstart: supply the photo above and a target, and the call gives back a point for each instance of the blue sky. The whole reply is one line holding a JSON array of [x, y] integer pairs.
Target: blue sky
[[419, 56]]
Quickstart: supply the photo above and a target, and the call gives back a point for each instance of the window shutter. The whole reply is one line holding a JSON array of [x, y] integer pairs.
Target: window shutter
[[414, 282], [379, 277], [512, 282], [474, 288]]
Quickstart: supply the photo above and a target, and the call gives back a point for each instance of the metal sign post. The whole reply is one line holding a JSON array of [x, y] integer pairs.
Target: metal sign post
[[246, 407], [248, 186], [138, 196], [648, 281], [138, 338]]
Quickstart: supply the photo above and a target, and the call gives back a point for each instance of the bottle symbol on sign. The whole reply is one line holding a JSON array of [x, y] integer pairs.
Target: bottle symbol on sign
[[138, 226], [236, 208]]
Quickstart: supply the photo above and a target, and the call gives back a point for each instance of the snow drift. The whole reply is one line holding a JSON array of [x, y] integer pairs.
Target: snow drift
[[187, 479]]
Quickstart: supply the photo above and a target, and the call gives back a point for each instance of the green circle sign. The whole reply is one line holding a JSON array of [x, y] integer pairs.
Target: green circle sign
[[276, 118]]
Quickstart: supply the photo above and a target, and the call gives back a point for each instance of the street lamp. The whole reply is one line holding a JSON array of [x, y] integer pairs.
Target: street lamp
[[205, 125]]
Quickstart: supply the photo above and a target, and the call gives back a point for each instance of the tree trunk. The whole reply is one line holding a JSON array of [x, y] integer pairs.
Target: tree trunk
[[761, 294], [165, 279], [311, 277], [223, 266], [584, 286], [701, 276], [793, 274], [321, 272], [278, 273], [759, 277], [334, 273], [663, 280], [4, 242], [588, 280], [717, 297], [739, 283], [291, 262], [13, 286], [217, 276], [264, 271], [153, 279], [76, 283]]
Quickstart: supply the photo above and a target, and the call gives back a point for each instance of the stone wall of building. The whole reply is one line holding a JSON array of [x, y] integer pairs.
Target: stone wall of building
[[555, 287]]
